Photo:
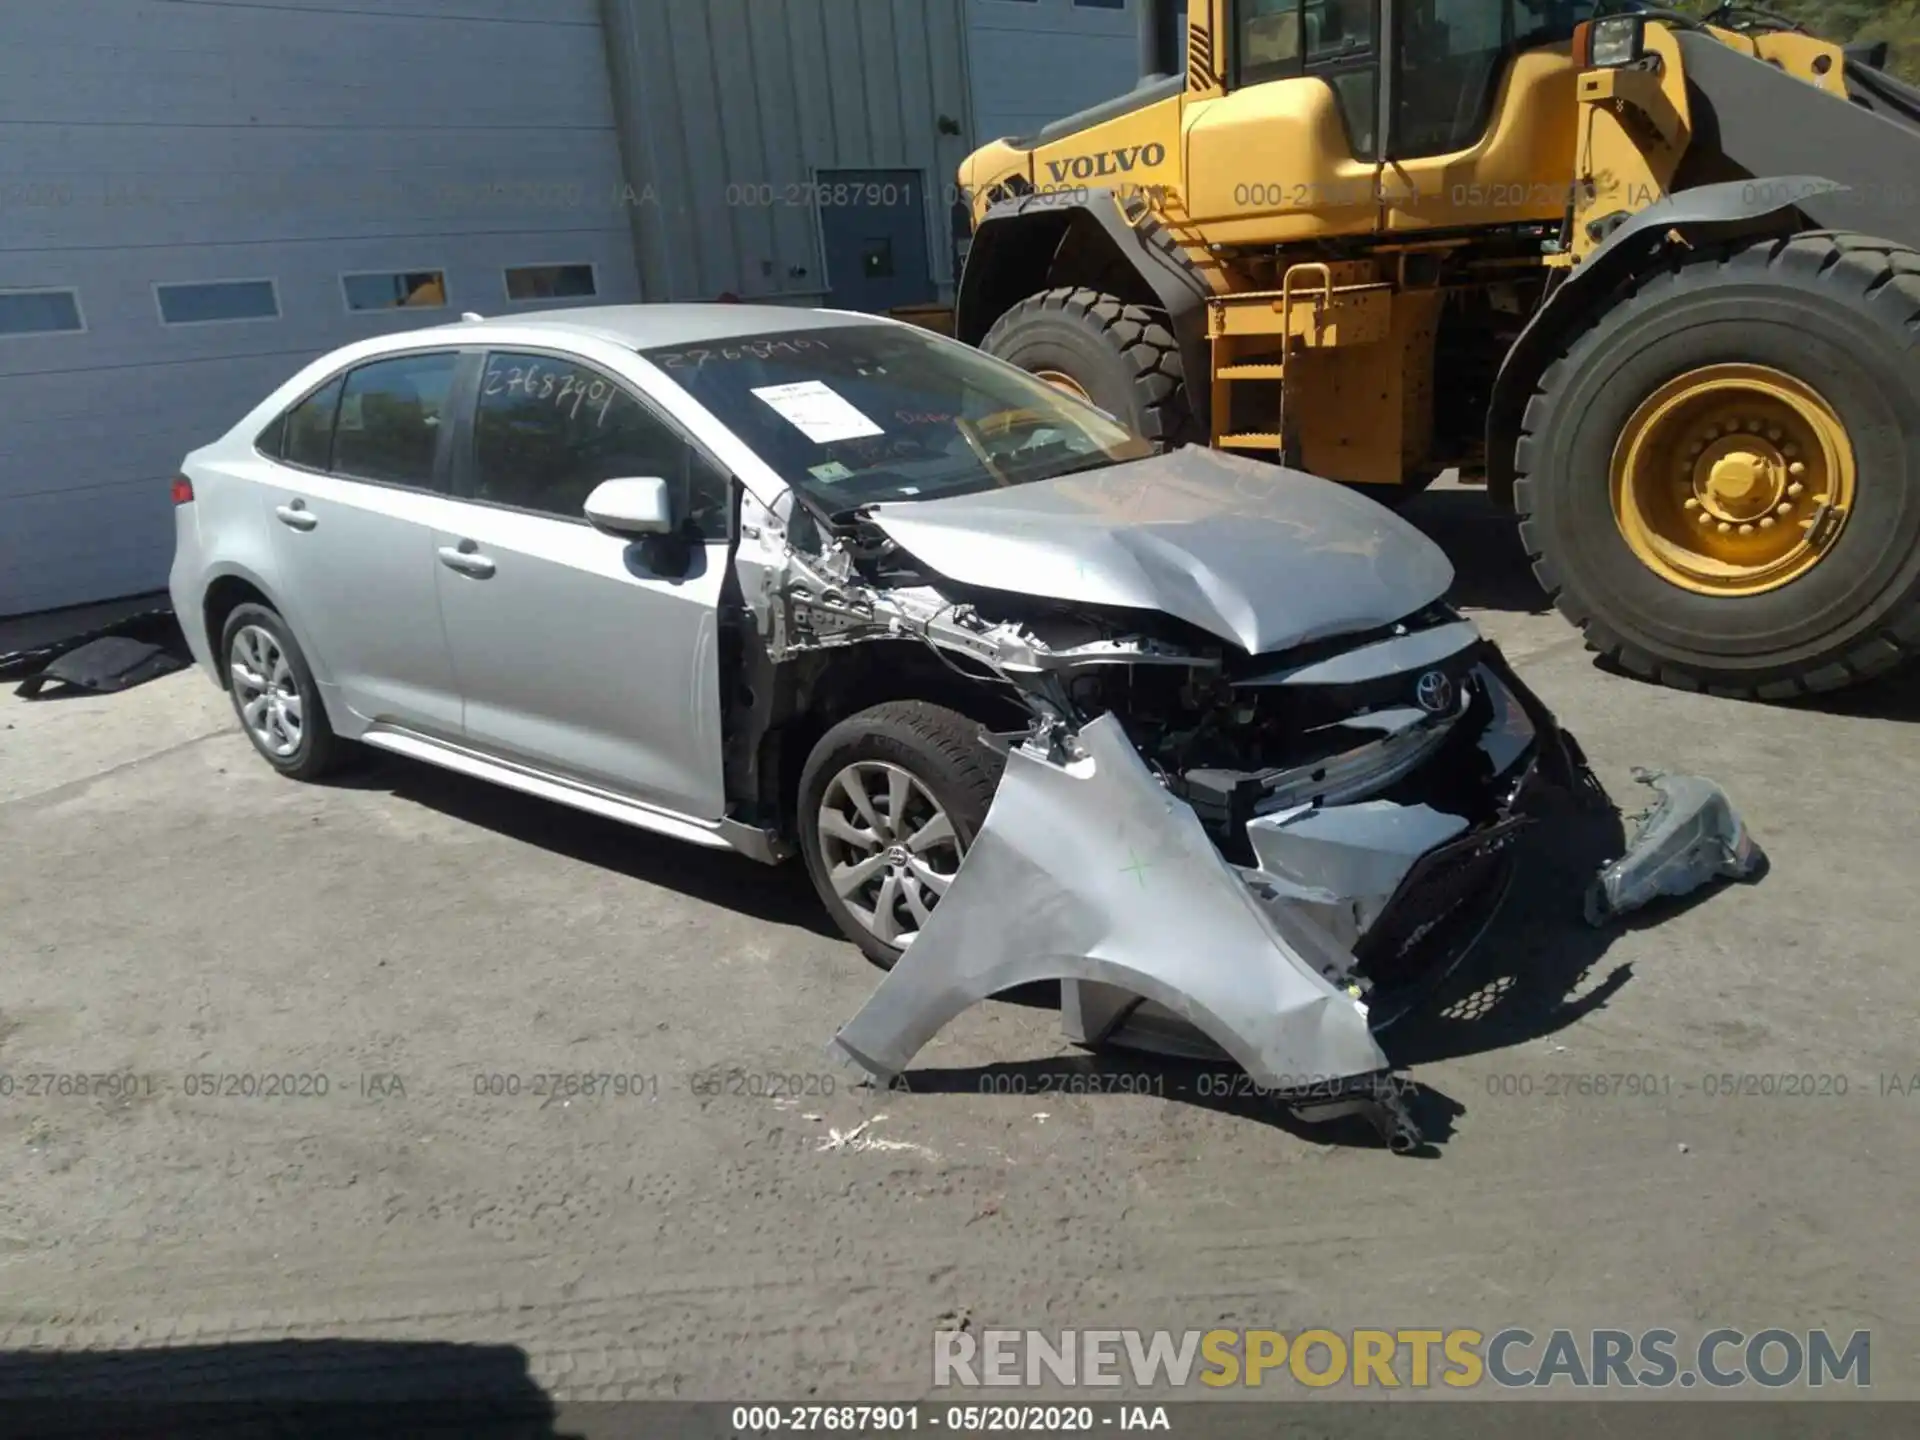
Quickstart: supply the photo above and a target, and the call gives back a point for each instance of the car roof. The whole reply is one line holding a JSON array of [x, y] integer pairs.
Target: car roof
[[642, 327]]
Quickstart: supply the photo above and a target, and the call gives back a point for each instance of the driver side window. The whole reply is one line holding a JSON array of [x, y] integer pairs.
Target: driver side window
[[546, 431]]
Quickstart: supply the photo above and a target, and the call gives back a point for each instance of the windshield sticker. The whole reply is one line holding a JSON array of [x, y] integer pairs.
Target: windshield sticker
[[832, 470], [819, 413]]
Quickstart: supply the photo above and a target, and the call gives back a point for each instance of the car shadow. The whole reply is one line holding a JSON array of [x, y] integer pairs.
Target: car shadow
[[294, 1389], [775, 894], [1490, 570], [1537, 969]]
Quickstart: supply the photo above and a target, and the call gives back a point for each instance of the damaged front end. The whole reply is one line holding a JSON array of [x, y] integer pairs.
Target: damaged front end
[[1267, 855], [1245, 858]]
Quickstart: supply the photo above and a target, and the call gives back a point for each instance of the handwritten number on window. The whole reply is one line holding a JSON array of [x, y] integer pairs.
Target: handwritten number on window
[[575, 392]]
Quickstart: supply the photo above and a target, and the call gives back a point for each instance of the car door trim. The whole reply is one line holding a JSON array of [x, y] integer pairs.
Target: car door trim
[[720, 834]]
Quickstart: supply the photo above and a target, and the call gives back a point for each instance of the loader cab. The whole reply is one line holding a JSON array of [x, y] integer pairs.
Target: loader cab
[[1319, 94]]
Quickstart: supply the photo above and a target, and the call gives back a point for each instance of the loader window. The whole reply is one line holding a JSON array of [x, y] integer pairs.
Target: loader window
[[1450, 56], [1332, 40], [1268, 43]]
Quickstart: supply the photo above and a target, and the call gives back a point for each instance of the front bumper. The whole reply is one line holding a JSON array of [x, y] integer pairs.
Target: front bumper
[[1088, 871]]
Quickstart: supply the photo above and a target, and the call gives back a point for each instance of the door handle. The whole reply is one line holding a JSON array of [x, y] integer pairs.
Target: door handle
[[466, 560], [297, 515]]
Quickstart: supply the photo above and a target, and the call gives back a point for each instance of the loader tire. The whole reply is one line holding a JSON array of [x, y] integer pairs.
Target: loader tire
[[1836, 315], [1122, 356]]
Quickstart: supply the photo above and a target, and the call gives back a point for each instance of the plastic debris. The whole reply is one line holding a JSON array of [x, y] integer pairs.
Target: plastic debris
[[1691, 835]]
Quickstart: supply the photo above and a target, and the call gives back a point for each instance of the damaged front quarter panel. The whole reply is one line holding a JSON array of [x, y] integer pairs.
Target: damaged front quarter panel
[[1088, 870]]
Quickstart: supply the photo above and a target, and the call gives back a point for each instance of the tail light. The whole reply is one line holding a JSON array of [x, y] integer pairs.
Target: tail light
[[182, 490]]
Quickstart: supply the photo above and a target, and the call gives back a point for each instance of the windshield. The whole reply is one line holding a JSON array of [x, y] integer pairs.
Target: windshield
[[851, 415]]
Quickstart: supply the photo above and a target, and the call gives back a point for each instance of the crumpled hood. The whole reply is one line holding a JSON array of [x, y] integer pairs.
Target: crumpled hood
[[1259, 555]]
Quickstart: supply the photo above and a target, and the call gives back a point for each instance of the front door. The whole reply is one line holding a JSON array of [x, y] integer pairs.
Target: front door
[[578, 652], [873, 225], [352, 501]]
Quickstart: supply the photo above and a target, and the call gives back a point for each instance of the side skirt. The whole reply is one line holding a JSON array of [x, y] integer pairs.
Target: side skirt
[[712, 834]]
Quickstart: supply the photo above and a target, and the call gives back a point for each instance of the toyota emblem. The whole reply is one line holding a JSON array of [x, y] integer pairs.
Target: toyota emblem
[[1434, 692]]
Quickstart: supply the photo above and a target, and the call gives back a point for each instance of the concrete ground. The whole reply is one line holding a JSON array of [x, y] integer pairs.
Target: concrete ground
[[418, 945]]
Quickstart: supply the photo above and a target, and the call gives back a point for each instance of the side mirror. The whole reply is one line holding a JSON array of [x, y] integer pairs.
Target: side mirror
[[637, 506]]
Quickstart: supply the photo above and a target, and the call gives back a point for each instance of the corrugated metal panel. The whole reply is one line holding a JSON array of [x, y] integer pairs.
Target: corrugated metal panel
[[729, 108], [146, 141], [1034, 61]]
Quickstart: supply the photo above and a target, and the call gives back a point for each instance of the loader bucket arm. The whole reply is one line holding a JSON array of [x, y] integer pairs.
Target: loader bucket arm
[[1753, 121], [1769, 153]]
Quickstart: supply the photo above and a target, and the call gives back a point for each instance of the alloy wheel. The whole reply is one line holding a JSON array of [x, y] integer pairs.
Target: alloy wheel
[[265, 691], [890, 848]]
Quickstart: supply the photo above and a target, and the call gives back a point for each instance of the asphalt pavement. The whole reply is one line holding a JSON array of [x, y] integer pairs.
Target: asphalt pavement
[[347, 1030]]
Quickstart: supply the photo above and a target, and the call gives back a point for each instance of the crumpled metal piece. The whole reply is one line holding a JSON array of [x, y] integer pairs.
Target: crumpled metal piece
[[1090, 871], [1691, 835]]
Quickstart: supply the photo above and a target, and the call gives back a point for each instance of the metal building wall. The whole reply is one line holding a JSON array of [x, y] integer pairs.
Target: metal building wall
[[145, 142], [723, 103]]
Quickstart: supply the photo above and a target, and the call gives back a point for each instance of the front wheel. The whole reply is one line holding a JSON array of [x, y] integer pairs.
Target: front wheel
[[890, 800], [1719, 481]]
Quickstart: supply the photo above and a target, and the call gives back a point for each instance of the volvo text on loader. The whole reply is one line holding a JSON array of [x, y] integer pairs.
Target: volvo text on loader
[[1652, 277]]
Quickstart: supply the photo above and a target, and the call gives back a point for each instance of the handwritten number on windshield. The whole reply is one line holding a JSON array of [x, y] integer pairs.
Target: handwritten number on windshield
[[745, 350]]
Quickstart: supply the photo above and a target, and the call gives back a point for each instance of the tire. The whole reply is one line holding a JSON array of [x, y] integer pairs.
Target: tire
[[1124, 356], [1838, 313], [939, 749], [319, 751]]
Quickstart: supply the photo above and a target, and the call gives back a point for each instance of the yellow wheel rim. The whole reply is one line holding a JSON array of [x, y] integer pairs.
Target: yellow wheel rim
[[1060, 380], [1732, 480]]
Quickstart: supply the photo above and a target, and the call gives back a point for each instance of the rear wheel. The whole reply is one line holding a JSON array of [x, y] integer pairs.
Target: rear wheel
[[1118, 356], [275, 696], [1719, 482]]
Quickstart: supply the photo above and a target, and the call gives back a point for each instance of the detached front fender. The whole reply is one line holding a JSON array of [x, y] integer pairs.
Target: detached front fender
[[1091, 872], [1707, 213]]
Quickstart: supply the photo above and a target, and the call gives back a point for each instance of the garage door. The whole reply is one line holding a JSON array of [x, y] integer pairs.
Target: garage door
[[1034, 61], [197, 199]]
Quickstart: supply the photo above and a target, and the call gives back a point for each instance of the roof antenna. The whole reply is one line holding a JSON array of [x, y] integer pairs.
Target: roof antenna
[[469, 316]]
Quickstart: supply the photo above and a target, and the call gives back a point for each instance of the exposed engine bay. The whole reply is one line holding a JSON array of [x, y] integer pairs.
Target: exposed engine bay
[[1314, 814]]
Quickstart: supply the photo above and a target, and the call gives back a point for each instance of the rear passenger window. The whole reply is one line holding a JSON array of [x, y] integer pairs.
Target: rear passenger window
[[309, 428], [390, 419], [547, 431]]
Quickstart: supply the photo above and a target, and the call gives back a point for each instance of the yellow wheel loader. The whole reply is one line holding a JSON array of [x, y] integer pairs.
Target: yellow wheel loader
[[1652, 278]]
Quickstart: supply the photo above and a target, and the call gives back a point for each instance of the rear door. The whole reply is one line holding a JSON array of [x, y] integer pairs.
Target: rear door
[[359, 484], [578, 652]]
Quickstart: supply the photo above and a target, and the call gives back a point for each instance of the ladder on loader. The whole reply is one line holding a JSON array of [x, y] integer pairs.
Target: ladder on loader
[[1320, 305]]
